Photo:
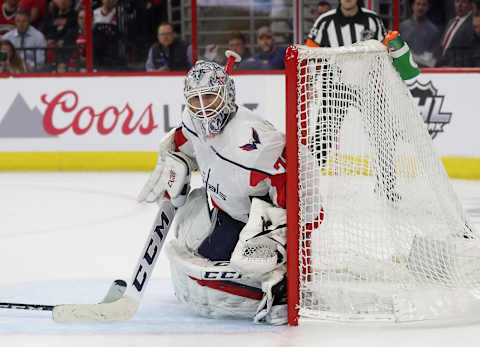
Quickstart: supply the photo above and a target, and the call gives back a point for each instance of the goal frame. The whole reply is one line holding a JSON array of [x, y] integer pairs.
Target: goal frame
[[432, 270], [293, 247]]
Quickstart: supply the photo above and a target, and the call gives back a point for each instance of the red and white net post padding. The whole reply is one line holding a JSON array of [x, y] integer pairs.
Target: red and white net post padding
[[376, 232]]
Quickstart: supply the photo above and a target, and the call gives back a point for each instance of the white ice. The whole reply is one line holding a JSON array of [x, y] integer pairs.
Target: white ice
[[65, 236]]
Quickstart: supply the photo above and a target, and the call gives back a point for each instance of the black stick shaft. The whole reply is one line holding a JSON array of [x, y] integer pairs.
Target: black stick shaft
[[117, 289], [32, 307]]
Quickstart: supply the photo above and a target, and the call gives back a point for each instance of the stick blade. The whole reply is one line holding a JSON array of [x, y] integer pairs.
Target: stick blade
[[115, 292], [122, 309]]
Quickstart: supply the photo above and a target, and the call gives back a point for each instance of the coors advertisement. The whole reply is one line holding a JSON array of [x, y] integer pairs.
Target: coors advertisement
[[129, 113], [104, 120], [64, 112]]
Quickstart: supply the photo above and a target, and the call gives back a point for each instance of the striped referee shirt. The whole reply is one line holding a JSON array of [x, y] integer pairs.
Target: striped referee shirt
[[333, 29]]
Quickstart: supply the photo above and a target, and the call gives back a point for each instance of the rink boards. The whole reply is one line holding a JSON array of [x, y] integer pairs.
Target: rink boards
[[116, 122]]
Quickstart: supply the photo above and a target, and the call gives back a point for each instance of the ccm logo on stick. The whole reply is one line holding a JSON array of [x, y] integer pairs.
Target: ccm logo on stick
[[150, 253], [221, 275]]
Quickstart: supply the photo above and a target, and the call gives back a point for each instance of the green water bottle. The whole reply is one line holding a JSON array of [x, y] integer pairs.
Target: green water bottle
[[402, 57]]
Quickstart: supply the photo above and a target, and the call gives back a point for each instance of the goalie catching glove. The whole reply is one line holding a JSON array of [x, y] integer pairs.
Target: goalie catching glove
[[260, 252], [261, 245], [171, 176]]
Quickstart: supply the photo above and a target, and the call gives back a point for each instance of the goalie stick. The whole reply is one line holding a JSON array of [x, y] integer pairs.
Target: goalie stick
[[116, 305], [125, 306], [117, 289]]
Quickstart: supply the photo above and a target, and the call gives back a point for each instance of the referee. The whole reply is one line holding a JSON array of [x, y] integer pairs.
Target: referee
[[343, 26], [347, 24]]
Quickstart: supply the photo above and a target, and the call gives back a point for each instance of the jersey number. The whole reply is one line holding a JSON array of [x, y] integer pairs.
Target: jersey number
[[281, 161]]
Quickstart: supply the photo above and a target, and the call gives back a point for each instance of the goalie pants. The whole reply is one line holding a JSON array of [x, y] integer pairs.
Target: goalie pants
[[219, 245]]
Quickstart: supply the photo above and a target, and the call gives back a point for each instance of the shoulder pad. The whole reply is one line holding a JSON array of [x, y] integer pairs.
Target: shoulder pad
[[258, 145]]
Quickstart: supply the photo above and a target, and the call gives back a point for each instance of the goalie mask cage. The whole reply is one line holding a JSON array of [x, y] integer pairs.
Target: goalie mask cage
[[375, 230]]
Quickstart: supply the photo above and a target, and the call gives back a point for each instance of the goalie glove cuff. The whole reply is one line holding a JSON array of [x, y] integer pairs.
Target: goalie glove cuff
[[150, 191], [175, 179]]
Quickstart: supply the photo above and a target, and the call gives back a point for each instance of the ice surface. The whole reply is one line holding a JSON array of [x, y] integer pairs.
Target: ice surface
[[65, 236]]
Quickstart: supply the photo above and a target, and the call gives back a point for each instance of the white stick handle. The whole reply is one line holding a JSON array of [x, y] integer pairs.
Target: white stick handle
[[151, 250], [232, 58]]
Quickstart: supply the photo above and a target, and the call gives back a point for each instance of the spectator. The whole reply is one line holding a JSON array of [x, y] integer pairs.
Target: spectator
[[106, 37], [59, 26], [238, 44], [11, 62], [78, 62], [348, 24], [37, 10], [421, 34], [28, 40], [7, 15], [270, 56], [322, 7], [60, 29], [168, 53], [456, 44]]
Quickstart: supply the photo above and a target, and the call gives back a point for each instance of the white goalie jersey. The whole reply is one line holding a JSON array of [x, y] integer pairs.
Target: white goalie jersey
[[245, 160]]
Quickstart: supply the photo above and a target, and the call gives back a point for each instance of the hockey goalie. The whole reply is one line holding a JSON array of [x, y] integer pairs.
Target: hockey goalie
[[228, 255]]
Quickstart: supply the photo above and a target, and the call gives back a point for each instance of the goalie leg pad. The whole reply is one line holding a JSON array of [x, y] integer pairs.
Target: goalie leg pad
[[192, 221], [191, 275]]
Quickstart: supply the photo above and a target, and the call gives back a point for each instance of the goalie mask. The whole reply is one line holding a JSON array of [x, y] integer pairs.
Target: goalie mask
[[210, 96]]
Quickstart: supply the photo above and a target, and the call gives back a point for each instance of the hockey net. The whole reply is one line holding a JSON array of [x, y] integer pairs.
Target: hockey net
[[376, 232]]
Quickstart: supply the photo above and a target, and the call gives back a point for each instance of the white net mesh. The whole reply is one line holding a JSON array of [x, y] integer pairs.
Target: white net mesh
[[382, 234]]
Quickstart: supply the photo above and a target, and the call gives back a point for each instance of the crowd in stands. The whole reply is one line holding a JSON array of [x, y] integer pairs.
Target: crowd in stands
[[50, 36], [455, 45], [169, 53]]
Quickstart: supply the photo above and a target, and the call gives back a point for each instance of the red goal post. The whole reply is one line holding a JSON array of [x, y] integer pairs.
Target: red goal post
[[291, 79]]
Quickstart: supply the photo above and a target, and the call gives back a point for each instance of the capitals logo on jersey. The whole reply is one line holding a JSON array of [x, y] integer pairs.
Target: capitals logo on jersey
[[252, 144]]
